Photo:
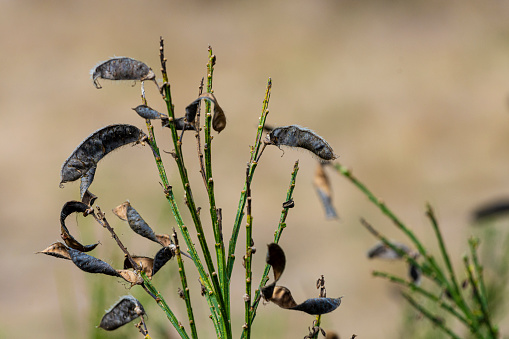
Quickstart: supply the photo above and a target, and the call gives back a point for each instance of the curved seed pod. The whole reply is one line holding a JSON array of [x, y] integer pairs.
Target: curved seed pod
[[88, 198], [139, 225], [282, 297], [122, 68], [86, 181], [381, 251], [316, 306], [145, 263], [219, 118], [97, 146], [148, 113], [297, 136], [124, 311], [91, 264], [161, 258], [58, 250], [323, 188], [69, 208], [276, 258]]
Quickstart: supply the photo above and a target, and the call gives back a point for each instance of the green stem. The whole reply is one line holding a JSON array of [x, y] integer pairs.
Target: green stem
[[242, 202], [247, 261], [185, 287], [277, 236], [162, 304], [437, 321], [317, 323]]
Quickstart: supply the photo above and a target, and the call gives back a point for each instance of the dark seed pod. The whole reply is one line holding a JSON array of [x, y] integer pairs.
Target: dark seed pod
[[83, 160], [180, 124], [122, 68], [219, 118], [139, 225], [276, 258], [492, 210], [86, 181], [161, 258], [91, 264], [58, 250], [324, 190], [148, 113], [69, 208], [88, 198], [415, 274], [316, 306], [124, 311], [383, 251], [296, 136]]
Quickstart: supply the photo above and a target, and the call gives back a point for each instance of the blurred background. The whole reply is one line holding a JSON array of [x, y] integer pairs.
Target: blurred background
[[413, 96]]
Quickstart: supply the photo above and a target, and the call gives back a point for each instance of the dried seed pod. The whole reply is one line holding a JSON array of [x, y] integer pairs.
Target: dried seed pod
[[164, 240], [276, 258], [382, 251], [297, 136], [180, 124], [316, 306], [139, 225], [492, 210], [121, 210], [148, 113], [282, 297], [122, 68], [219, 118], [58, 250], [130, 277], [161, 258], [145, 263], [415, 274], [124, 311], [95, 147], [91, 264], [69, 208], [89, 198], [324, 190], [86, 181]]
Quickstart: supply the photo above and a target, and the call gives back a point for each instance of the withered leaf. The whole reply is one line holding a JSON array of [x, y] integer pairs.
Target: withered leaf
[[323, 188], [122, 68], [316, 306], [58, 250], [161, 258], [148, 113], [382, 251], [69, 208], [145, 263], [91, 264], [297, 136], [124, 311], [276, 258], [85, 157]]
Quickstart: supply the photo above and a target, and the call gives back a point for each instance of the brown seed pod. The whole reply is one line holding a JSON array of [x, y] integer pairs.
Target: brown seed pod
[[131, 277], [91, 264], [145, 263], [83, 160], [69, 208], [324, 190], [276, 258], [124, 311], [58, 250], [148, 113], [122, 68], [219, 118], [297, 136]]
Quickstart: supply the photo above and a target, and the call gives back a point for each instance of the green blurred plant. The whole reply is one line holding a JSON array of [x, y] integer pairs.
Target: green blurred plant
[[467, 302]]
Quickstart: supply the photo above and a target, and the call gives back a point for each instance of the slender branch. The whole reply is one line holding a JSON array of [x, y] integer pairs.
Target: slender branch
[[242, 200], [247, 260], [198, 137], [437, 321]]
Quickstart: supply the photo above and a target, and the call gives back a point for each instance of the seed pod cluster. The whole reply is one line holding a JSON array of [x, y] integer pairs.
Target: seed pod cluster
[[124, 311], [122, 68], [82, 162], [282, 296], [297, 136]]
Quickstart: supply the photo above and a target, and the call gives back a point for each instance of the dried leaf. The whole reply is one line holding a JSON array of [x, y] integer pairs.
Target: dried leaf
[[124, 311], [383, 251], [148, 113], [297, 136], [316, 306], [83, 160], [161, 258], [276, 258], [69, 208], [145, 263], [323, 188], [130, 277], [122, 68], [58, 250], [91, 264]]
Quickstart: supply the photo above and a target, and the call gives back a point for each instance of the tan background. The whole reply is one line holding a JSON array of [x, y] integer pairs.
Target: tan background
[[413, 97]]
